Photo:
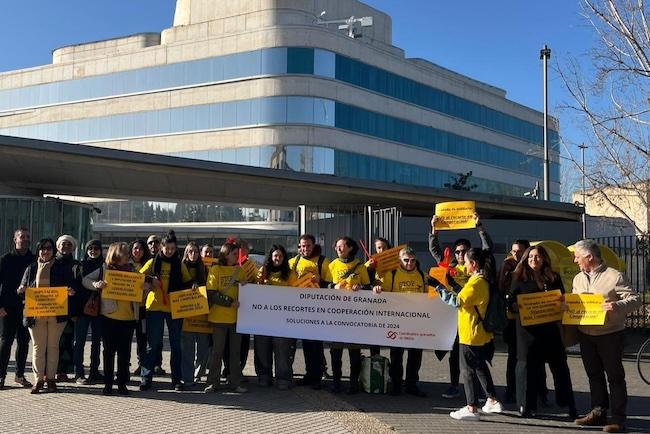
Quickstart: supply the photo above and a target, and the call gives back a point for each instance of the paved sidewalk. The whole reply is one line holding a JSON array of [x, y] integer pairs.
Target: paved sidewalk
[[83, 409]]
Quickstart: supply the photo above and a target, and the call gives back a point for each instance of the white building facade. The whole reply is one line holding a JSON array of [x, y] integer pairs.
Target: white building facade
[[261, 83]]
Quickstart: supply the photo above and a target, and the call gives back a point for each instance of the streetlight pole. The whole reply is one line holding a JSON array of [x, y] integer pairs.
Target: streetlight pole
[[584, 192], [545, 54]]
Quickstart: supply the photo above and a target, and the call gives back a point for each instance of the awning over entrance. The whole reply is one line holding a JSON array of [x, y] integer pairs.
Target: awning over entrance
[[29, 166]]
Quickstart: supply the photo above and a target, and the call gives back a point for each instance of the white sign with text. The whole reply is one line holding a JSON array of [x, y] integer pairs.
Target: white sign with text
[[389, 319]]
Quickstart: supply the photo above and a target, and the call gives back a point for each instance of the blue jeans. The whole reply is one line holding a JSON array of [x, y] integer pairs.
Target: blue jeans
[[80, 334], [195, 349], [155, 328]]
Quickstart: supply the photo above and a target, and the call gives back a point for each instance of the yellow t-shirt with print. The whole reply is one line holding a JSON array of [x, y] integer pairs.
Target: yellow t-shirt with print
[[475, 293], [124, 311], [275, 278], [403, 281], [310, 265], [224, 278], [462, 276], [338, 269], [158, 298]]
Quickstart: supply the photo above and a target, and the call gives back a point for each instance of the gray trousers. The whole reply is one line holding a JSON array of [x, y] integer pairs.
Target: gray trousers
[[281, 350], [218, 346]]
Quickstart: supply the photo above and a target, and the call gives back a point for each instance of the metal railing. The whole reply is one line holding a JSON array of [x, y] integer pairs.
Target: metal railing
[[635, 252]]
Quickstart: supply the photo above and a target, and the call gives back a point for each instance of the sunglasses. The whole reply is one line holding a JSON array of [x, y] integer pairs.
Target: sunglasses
[[93, 248], [460, 252], [407, 260], [154, 242]]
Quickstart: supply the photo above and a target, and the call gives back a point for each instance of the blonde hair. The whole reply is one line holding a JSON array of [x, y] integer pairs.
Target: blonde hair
[[117, 251]]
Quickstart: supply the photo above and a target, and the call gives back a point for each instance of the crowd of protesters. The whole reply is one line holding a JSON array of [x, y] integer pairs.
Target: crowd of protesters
[[58, 343]]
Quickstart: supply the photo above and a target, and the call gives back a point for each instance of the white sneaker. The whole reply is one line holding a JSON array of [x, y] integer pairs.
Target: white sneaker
[[492, 406], [465, 413]]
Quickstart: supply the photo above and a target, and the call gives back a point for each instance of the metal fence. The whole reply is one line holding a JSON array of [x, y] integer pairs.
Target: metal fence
[[635, 252]]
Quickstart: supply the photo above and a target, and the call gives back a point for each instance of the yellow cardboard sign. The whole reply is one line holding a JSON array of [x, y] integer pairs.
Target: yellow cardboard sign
[[584, 309], [123, 285], [306, 281], [46, 301], [388, 260], [250, 270], [189, 302], [455, 215], [540, 307], [209, 261], [198, 324], [440, 274]]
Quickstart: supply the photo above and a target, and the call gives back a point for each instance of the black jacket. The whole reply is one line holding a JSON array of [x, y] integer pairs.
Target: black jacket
[[12, 268]]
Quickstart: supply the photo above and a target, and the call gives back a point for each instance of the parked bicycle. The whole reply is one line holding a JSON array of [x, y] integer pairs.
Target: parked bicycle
[[643, 361]]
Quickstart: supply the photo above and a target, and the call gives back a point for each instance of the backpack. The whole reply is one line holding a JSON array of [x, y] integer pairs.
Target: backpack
[[375, 376], [496, 317]]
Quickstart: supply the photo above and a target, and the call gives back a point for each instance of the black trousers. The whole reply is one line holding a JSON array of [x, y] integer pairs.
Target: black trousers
[[473, 366], [141, 337], [454, 363], [604, 355], [117, 337], [336, 354], [243, 353], [12, 328], [510, 338], [313, 353], [413, 363]]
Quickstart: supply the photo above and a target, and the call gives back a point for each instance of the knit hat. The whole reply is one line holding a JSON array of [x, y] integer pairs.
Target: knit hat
[[69, 238], [95, 243]]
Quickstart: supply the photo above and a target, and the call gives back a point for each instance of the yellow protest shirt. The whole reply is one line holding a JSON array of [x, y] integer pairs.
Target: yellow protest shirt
[[339, 268], [158, 298], [403, 281], [124, 311], [310, 265], [475, 293], [462, 276], [275, 278], [226, 279]]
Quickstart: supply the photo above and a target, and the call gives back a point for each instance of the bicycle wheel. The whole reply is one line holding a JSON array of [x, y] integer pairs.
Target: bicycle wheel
[[643, 361]]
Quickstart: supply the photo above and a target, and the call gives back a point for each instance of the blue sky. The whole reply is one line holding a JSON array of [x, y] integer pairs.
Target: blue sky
[[497, 42]]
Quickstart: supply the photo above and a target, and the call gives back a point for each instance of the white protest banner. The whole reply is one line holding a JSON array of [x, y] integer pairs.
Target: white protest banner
[[388, 319]]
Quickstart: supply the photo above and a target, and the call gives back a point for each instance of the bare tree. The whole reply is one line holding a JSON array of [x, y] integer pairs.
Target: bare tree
[[612, 103]]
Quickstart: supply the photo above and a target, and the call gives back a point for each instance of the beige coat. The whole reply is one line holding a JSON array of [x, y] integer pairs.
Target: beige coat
[[614, 287]]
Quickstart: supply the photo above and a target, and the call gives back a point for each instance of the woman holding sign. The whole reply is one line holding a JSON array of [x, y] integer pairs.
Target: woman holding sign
[[223, 297], [118, 319], [167, 274], [348, 273], [194, 346], [540, 342], [475, 343], [46, 329], [139, 256], [275, 271]]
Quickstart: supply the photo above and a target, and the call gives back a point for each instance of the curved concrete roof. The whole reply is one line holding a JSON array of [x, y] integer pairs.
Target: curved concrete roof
[[29, 166]]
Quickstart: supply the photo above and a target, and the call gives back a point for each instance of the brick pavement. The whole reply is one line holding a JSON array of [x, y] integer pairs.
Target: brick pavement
[[83, 409]]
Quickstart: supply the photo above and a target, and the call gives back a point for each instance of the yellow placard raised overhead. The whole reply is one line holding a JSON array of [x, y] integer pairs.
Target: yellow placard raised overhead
[[387, 260], [455, 215], [123, 285], [189, 302], [46, 301], [584, 309], [198, 324], [540, 307]]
